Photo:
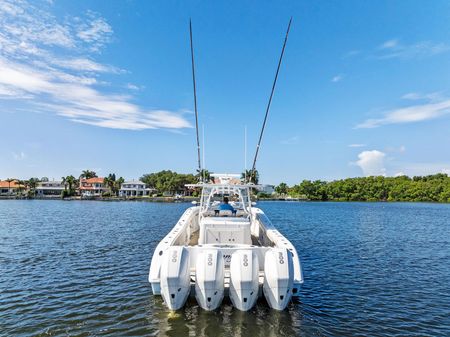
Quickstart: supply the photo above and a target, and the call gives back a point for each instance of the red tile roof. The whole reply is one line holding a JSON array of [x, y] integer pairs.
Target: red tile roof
[[5, 184], [93, 180], [87, 188]]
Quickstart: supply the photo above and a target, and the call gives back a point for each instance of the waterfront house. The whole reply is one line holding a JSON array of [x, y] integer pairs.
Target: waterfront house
[[49, 188], [267, 189], [135, 189], [10, 187], [222, 178], [92, 187]]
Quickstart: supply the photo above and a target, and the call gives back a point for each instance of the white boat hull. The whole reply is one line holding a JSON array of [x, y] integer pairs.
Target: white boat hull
[[277, 282]]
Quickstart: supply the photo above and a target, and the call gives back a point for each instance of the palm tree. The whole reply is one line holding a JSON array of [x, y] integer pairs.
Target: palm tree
[[203, 176], [71, 181], [32, 183], [64, 182], [20, 185], [250, 176], [110, 182], [10, 180], [106, 181], [281, 189], [86, 174], [118, 184]]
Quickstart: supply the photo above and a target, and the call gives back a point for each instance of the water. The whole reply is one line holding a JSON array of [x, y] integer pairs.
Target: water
[[80, 269]]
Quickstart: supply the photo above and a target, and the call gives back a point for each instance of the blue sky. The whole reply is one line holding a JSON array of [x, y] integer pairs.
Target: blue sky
[[106, 85]]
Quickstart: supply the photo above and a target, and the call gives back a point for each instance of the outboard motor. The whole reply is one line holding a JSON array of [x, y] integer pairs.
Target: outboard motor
[[175, 277], [244, 279], [209, 279], [279, 277]]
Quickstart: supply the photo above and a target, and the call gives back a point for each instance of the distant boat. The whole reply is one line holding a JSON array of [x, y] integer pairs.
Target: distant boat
[[178, 198], [213, 252]]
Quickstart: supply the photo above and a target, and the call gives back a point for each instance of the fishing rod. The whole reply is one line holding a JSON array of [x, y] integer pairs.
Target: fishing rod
[[270, 100], [195, 101]]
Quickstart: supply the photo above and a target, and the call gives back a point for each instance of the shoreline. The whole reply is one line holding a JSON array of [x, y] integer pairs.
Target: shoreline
[[197, 199], [109, 199]]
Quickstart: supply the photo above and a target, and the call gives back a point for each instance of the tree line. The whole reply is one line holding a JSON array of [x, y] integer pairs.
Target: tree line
[[432, 188], [169, 181]]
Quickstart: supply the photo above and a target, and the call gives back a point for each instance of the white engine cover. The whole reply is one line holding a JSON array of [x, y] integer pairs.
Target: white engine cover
[[209, 279], [279, 277], [175, 277], [244, 279]]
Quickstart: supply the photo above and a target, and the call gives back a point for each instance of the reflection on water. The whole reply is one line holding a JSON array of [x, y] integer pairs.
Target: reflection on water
[[227, 321], [80, 269]]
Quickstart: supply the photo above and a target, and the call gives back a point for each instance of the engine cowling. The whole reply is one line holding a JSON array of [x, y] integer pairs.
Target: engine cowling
[[209, 279], [279, 277], [244, 279], [175, 277]]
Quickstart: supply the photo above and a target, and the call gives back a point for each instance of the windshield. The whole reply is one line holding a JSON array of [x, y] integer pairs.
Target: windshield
[[214, 196]]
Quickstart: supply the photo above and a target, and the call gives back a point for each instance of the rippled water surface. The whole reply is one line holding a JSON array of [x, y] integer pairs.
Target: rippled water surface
[[80, 269]]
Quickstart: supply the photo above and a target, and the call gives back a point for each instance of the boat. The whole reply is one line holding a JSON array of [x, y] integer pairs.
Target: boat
[[225, 246], [212, 253]]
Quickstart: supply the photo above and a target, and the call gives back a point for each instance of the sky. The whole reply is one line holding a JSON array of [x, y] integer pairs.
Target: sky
[[364, 88]]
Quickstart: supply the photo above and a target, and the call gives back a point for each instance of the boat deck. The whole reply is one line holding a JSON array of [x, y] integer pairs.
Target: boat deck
[[193, 240]]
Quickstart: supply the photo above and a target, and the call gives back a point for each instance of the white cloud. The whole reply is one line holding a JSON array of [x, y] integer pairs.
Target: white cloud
[[84, 65], [394, 49], [351, 53], [414, 96], [290, 141], [7, 92], [24, 24], [19, 156], [337, 78], [51, 64], [356, 145], [414, 113], [421, 169], [97, 32], [389, 44], [394, 149], [399, 174], [372, 163], [132, 86]]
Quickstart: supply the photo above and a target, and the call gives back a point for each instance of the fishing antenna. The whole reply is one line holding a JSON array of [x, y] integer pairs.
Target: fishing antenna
[[203, 154], [245, 153], [270, 98], [195, 103]]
